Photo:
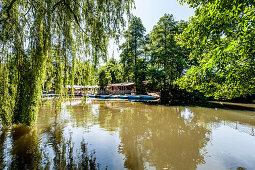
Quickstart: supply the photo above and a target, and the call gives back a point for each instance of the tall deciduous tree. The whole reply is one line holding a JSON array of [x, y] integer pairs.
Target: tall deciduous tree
[[34, 33], [166, 55], [132, 47], [221, 37]]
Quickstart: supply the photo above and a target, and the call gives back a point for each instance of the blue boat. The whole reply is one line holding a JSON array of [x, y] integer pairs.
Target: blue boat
[[104, 96], [123, 96], [147, 100], [148, 97], [93, 96], [112, 97], [133, 97], [134, 100]]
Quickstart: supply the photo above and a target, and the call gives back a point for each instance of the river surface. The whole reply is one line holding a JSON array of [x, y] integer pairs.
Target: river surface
[[130, 135]]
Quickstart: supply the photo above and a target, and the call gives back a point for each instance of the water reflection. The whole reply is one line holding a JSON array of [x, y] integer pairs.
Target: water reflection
[[25, 151], [45, 146], [156, 136], [120, 134], [3, 148]]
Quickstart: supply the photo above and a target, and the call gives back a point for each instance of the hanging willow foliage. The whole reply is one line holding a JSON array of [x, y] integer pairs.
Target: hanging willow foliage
[[38, 35]]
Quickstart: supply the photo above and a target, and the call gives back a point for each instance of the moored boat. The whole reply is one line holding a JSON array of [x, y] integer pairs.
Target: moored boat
[[123, 96], [148, 97], [104, 96], [133, 97], [113, 96]]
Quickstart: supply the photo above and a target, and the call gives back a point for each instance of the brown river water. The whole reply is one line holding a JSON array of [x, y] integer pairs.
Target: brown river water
[[131, 135]]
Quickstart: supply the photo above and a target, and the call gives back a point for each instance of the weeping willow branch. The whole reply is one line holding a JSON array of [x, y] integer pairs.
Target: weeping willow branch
[[55, 6], [75, 17], [48, 33], [8, 11]]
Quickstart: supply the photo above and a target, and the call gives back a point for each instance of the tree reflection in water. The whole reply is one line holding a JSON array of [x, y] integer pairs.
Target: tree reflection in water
[[23, 147], [134, 135], [158, 135], [3, 149], [26, 152]]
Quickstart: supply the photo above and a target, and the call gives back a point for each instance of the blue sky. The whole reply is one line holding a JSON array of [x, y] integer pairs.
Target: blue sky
[[150, 11]]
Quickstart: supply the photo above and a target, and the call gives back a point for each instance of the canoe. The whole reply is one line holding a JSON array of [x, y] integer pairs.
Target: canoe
[[104, 96], [147, 100], [123, 96], [134, 100], [133, 97], [92, 96], [111, 96], [148, 97]]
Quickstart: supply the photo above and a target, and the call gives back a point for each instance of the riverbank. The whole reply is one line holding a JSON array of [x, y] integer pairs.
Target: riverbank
[[246, 106]]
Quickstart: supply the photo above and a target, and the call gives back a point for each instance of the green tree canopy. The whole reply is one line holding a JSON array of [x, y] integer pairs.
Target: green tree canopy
[[104, 78], [35, 34], [166, 55], [132, 48], [115, 69], [221, 38]]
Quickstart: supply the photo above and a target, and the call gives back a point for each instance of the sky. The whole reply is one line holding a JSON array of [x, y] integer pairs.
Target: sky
[[150, 11]]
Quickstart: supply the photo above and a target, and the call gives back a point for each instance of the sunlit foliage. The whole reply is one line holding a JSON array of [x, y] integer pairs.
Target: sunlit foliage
[[38, 35], [167, 56], [132, 48], [221, 39]]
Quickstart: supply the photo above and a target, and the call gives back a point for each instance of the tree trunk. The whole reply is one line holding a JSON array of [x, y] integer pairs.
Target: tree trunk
[[31, 76], [135, 65]]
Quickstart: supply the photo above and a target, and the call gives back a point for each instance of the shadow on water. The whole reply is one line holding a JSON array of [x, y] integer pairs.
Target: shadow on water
[[26, 152], [217, 104], [45, 146]]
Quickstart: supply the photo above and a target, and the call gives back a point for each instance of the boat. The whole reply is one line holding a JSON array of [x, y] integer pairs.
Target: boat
[[113, 96], [133, 97], [104, 96], [146, 100], [123, 96], [49, 95], [134, 100], [92, 95], [148, 97]]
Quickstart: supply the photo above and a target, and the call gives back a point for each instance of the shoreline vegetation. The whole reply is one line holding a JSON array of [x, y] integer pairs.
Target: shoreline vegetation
[[52, 44]]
